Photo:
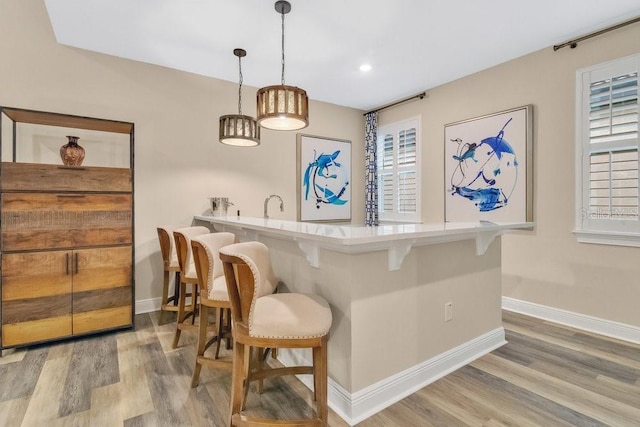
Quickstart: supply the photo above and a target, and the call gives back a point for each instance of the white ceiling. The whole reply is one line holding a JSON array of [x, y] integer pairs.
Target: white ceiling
[[412, 45]]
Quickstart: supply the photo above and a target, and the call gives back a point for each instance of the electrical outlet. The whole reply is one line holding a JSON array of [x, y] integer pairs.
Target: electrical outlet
[[448, 311]]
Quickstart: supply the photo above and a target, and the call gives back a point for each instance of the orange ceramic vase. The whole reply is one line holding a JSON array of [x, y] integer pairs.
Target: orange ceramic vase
[[71, 153]]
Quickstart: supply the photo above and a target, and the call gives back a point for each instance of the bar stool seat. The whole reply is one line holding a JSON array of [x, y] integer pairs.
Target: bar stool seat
[[264, 320], [290, 316]]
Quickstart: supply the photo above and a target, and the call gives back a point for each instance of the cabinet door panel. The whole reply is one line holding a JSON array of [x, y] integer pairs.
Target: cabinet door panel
[[97, 320], [102, 294], [43, 177], [36, 330], [35, 274], [36, 297], [99, 299], [41, 221], [29, 309], [101, 268]]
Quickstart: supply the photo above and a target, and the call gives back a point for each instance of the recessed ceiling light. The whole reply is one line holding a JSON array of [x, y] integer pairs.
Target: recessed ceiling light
[[365, 67]]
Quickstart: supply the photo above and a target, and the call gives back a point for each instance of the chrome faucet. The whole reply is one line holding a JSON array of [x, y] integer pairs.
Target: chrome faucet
[[266, 203]]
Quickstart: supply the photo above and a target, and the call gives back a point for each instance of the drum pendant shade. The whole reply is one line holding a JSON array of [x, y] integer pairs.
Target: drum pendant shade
[[237, 129], [282, 107]]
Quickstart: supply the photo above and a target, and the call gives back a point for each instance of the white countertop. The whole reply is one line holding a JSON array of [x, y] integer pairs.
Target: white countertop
[[396, 238]]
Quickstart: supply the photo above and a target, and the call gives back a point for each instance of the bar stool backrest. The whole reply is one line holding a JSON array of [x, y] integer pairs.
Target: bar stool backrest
[[168, 246], [249, 276], [206, 257], [183, 238]]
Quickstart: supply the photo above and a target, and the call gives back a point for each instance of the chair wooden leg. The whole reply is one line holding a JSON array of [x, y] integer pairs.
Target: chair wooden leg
[[202, 341], [228, 338], [195, 291], [320, 381], [181, 313], [249, 356], [165, 294], [176, 288], [220, 330], [261, 357], [237, 380]]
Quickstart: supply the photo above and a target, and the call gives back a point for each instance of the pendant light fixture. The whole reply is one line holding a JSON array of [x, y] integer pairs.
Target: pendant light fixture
[[237, 129], [283, 107]]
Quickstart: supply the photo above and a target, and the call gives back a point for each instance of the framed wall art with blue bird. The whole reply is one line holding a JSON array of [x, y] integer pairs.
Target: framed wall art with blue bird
[[323, 178]]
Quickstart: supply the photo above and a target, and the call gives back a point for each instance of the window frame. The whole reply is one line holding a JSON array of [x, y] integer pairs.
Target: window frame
[[395, 128], [620, 232]]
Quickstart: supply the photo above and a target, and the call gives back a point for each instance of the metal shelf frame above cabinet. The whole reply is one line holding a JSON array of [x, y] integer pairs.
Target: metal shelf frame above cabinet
[[18, 115]]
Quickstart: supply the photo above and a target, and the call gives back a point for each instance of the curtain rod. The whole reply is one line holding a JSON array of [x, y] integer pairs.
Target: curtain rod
[[393, 104], [574, 43]]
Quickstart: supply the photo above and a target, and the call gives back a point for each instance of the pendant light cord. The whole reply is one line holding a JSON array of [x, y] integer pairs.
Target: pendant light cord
[[282, 47], [240, 86]]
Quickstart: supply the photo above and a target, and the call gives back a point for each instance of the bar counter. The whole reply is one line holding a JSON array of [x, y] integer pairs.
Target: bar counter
[[388, 287], [397, 239]]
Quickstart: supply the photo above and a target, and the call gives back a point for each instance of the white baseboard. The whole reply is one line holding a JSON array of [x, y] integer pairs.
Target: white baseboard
[[360, 405], [605, 327], [148, 305]]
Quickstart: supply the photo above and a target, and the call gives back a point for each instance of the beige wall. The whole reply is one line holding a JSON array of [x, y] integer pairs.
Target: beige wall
[[545, 266], [178, 159]]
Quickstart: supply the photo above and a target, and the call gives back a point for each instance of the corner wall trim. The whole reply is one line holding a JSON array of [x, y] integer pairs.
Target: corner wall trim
[[360, 405], [597, 325]]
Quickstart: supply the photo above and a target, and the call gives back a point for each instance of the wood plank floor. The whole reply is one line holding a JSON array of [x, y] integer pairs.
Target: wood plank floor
[[547, 375]]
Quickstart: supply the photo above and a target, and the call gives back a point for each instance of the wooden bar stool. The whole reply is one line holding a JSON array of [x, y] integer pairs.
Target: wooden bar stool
[[170, 265], [265, 320], [214, 295], [188, 276]]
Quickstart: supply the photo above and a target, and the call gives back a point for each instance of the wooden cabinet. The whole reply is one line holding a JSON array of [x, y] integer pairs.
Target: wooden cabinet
[[66, 238]]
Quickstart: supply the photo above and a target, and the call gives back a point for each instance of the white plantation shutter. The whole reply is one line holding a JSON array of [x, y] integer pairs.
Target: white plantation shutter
[[613, 179], [385, 176], [385, 152], [398, 171], [407, 192], [608, 146], [613, 109], [407, 147], [385, 198]]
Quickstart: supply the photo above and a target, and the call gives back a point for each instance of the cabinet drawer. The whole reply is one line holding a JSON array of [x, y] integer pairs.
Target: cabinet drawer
[[44, 177], [33, 221], [36, 297]]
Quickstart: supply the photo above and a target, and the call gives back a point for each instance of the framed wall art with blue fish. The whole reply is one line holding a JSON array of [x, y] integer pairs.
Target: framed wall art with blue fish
[[323, 178], [489, 167]]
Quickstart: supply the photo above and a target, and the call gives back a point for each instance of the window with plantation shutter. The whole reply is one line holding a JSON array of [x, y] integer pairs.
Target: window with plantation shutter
[[608, 193], [398, 171]]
